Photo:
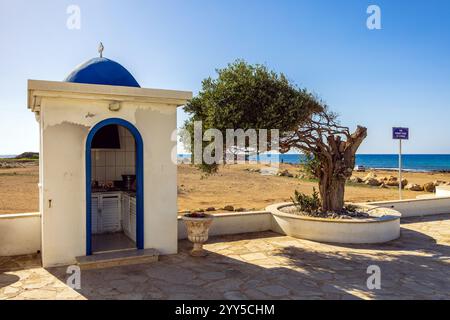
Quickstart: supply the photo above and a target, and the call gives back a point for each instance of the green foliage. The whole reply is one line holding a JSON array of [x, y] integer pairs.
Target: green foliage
[[245, 96], [306, 203], [28, 156], [312, 165], [208, 169]]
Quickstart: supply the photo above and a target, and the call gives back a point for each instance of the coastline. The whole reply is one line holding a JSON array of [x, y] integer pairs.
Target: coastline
[[409, 170], [426, 163]]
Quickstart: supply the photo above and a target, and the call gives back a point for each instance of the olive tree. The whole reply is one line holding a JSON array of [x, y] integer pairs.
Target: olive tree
[[245, 96]]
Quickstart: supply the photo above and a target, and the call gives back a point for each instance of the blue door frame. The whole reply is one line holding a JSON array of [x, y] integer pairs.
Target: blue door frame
[[139, 181]]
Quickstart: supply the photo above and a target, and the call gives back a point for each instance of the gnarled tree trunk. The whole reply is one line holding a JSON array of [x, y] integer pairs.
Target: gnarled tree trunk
[[336, 166], [332, 194]]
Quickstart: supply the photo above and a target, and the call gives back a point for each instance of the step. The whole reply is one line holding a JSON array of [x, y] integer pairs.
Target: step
[[117, 258]]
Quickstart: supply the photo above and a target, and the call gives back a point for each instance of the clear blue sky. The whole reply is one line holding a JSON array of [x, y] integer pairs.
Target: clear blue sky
[[396, 76]]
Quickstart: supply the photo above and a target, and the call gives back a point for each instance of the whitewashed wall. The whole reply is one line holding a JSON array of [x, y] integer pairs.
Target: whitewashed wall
[[443, 191], [65, 127], [234, 223], [20, 234], [417, 207]]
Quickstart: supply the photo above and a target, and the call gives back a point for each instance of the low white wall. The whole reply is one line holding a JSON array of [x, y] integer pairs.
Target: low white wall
[[234, 223], [20, 234], [443, 191], [417, 207]]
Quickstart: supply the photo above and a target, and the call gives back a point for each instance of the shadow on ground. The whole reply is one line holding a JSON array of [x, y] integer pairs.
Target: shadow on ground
[[270, 266]]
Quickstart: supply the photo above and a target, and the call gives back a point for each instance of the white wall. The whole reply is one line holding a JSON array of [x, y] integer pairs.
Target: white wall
[[65, 124], [20, 234], [234, 223], [443, 191], [417, 207]]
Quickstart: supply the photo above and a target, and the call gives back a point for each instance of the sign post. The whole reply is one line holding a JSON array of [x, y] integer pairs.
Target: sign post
[[400, 134]]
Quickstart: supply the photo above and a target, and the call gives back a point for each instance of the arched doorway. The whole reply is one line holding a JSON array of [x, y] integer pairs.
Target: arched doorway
[[101, 138]]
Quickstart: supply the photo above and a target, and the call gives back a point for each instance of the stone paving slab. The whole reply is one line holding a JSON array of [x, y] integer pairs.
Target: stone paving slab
[[263, 265]]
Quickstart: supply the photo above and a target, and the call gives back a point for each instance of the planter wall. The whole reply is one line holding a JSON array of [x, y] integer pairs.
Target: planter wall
[[418, 207]]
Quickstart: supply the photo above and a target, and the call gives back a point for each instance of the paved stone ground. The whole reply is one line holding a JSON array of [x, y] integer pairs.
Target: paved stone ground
[[259, 266]]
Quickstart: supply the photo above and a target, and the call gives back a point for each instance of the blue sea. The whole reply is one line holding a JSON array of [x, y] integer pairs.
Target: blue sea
[[410, 162]]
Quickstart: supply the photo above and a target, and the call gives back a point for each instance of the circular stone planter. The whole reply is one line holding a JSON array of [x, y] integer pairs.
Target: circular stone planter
[[382, 226]]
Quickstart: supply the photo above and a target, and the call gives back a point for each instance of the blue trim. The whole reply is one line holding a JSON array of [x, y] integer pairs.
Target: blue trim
[[139, 181]]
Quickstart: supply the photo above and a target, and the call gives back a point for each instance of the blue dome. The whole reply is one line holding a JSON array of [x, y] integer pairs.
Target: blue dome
[[102, 71]]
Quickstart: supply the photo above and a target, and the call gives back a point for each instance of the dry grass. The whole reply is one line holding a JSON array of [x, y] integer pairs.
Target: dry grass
[[233, 185], [19, 190]]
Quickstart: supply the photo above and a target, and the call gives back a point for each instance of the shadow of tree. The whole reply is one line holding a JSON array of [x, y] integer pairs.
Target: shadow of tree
[[403, 275], [7, 279], [411, 239], [271, 266], [413, 266]]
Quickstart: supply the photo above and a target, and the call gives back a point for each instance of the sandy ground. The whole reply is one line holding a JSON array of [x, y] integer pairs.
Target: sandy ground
[[233, 185], [19, 190]]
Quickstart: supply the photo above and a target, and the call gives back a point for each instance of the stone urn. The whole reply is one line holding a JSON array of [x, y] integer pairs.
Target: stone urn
[[197, 226]]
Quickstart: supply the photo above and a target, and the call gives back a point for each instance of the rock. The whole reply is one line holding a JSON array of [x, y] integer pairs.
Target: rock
[[285, 173], [439, 183], [304, 176], [429, 187], [369, 176], [392, 181], [228, 208], [383, 186], [355, 179], [211, 209], [413, 187], [373, 182], [239, 209], [404, 182]]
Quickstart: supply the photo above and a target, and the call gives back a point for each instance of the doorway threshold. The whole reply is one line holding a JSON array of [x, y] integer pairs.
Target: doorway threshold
[[117, 258]]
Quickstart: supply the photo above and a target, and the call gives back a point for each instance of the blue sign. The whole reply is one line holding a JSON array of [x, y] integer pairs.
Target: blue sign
[[400, 133]]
